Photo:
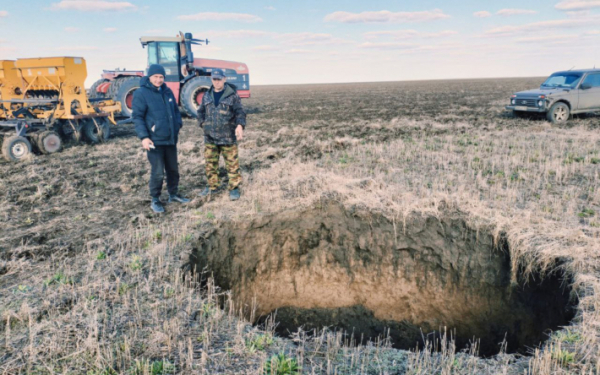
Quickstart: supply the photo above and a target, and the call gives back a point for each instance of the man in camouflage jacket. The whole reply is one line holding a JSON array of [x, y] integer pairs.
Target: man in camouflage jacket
[[223, 119]]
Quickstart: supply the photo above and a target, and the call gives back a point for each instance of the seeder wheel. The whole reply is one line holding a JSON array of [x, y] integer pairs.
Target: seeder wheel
[[49, 142], [96, 130], [15, 148]]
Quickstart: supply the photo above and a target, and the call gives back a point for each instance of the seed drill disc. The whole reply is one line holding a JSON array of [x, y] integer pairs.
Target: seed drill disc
[[51, 142]]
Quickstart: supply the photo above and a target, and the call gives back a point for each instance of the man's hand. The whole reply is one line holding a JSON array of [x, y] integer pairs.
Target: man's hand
[[239, 132], [146, 143]]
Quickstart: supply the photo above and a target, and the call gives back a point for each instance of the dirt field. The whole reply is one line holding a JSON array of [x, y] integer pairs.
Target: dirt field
[[419, 212]]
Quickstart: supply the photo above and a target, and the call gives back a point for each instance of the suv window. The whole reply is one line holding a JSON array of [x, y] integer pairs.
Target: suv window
[[563, 80], [593, 80]]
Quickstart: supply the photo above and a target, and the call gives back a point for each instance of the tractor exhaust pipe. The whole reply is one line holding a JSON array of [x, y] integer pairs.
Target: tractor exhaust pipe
[[188, 59]]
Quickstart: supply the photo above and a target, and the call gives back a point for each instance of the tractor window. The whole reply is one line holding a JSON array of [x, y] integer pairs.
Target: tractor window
[[167, 53], [152, 58]]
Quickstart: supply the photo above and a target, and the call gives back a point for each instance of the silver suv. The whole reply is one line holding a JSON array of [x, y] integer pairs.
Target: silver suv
[[561, 95]]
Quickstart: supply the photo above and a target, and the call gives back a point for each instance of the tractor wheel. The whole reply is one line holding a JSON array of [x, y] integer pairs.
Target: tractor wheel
[[95, 94], [191, 95], [49, 142], [96, 130], [15, 148], [559, 113], [121, 90]]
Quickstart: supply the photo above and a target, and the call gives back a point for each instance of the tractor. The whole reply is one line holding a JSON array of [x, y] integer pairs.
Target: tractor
[[189, 78]]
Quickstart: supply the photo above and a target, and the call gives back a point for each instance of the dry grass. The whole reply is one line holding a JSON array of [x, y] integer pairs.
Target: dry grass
[[91, 283]]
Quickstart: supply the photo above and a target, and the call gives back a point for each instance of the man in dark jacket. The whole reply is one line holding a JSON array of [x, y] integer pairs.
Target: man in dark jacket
[[157, 122], [223, 119]]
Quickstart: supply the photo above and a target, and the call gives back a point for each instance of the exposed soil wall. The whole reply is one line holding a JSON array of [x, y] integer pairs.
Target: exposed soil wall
[[361, 272]]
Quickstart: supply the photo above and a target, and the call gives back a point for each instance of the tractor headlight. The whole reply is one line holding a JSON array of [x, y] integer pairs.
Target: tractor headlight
[[541, 103]]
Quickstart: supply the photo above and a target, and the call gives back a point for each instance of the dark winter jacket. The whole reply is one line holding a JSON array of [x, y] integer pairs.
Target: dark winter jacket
[[155, 114], [219, 122]]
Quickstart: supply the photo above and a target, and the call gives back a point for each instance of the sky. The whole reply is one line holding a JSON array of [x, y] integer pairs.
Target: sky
[[317, 41]]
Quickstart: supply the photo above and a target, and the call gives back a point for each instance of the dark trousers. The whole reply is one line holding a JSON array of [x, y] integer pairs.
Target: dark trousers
[[163, 159]]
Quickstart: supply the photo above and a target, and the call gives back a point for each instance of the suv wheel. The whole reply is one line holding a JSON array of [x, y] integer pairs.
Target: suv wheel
[[559, 113]]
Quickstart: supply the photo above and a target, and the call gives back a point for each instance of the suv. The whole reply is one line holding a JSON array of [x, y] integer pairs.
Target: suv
[[561, 95]]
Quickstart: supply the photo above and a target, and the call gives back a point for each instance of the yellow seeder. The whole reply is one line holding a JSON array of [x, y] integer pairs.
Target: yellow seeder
[[41, 96], [10, 86]]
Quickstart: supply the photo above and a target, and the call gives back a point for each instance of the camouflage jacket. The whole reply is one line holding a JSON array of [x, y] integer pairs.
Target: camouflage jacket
[[219, 122]]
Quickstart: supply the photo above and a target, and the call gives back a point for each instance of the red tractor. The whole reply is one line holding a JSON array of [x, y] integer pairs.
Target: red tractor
[[189, 78]]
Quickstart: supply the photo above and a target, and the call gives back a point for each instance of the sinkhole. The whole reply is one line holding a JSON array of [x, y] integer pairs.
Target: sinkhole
[[357, 271]]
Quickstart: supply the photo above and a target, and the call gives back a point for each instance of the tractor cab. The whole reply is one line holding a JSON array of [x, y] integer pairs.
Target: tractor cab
[[175, 55], [166, 53]]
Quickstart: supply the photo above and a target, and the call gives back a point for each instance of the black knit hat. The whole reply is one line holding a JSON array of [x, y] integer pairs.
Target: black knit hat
[[156, 69]]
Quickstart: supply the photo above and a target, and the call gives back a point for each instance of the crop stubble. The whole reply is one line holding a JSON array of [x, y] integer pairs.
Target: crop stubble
[[89, 279]]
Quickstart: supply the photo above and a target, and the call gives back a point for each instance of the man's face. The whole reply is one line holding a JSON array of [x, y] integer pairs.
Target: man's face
[[157, 80], [219, 83]]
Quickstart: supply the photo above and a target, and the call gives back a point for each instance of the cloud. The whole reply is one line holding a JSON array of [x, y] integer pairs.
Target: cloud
[[593, 32], [396, 34], [386, 16], [236, 34], [308, 39], [408, 34], [289, 39], [575, 5], [515, 12], [264, 48], [389, 46], [71, 29], [270, 8], [77, 48], [579, 13], [212, 16], [3, 13], [547, 39], [298, 51], [482, 14], [441, 34], [541, 26], [110, 29], [411, 48], [211, 48], [93, 5]]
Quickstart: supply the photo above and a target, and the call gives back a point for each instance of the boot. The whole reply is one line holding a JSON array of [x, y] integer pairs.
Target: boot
[[178, 198], [234, 194], [207, 191], [157, 206]]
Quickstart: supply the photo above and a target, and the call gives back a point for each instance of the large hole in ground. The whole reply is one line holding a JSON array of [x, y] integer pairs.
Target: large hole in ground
[[360, 272]]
